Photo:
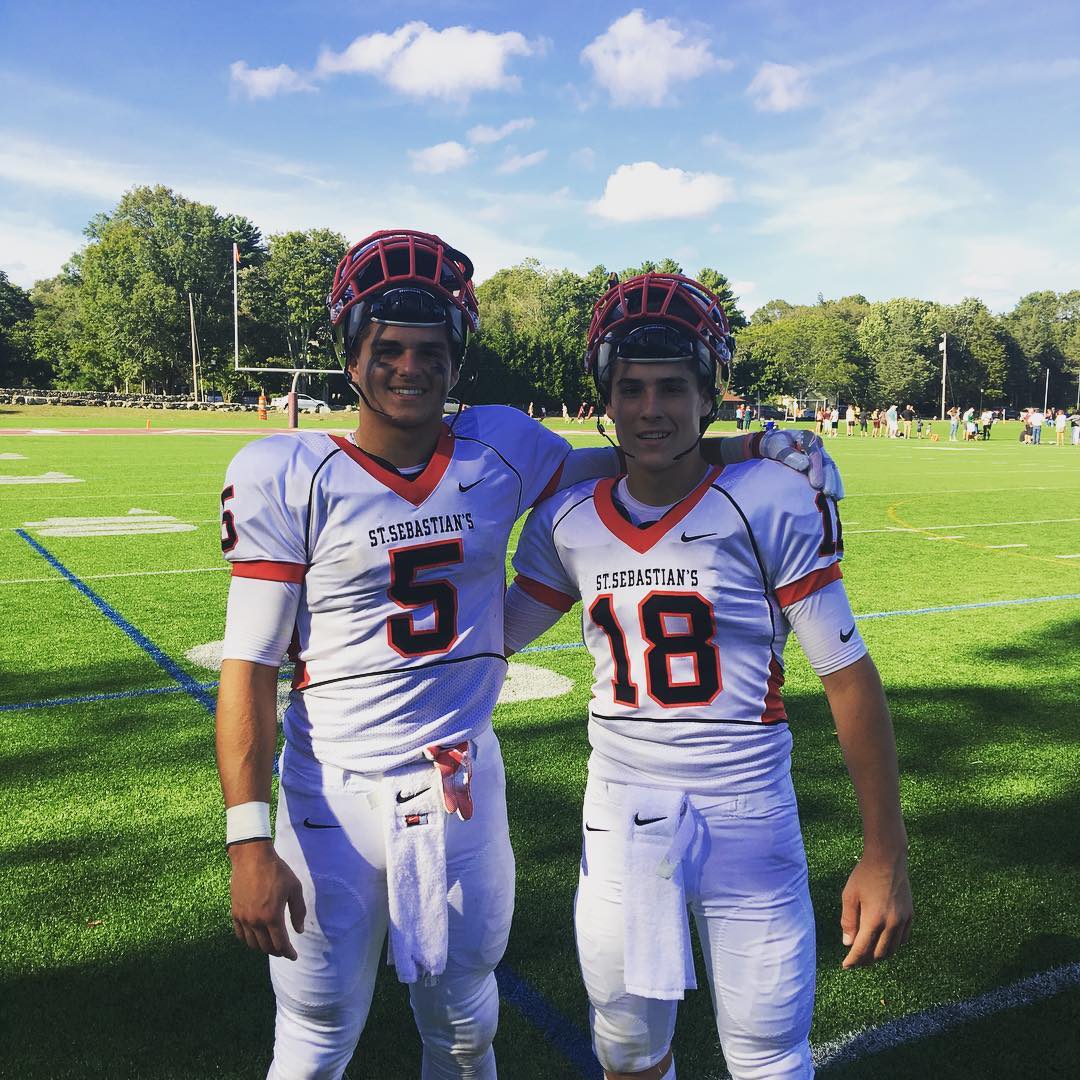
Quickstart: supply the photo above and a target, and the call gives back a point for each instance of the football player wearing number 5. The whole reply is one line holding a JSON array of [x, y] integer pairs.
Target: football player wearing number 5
[[690, 578], [381, 558]]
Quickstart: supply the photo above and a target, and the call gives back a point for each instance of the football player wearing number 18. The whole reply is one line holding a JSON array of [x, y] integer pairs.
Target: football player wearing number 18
[[381, 557], [690, 578]]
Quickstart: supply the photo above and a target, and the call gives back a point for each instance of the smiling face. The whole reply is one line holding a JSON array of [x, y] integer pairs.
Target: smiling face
[[405, 373], [657, 408]]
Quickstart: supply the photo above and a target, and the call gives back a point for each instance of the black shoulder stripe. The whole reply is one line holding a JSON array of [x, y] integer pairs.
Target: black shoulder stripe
[[569, 510], [766, 586], [495, 451], [311, 502]]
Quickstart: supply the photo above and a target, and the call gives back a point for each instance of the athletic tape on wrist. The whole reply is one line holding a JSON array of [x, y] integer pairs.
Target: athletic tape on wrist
[[247, 821]]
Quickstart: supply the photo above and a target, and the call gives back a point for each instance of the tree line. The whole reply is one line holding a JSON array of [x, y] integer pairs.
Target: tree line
[[117, 317]]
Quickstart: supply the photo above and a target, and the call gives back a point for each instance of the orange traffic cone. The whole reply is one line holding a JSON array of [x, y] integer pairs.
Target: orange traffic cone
[[147, 425]]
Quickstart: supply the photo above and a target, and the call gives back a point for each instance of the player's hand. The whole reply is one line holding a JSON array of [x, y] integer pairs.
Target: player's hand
[[877, 910], [262, 885], [804, 451]]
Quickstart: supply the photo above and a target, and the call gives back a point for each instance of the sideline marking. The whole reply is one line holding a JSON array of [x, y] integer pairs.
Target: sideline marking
[[1067, 556], [937, 1019], [560, 1031], [44, 478], [133, 523], [12, 457], [943, 538], [941, 1018], [1001, 547], [187, 683]]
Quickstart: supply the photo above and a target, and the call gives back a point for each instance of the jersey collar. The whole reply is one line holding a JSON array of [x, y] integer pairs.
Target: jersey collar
[[642, 540], [414, 489]]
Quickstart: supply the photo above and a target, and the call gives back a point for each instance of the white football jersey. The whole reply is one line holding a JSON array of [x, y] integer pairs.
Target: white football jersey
[[684, 617], [398, 641]]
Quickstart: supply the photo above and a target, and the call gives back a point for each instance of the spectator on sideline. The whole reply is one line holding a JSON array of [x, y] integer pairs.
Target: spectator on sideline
[[819, 416], [875, 420], [1038, 418], [909, 419], [834, 421], [580, 418], [849, 420], [1061, 421], [891, 421], [1074, 419], [565, 412], [970, 426], [860, 412], [954, 422], [740, 413], [987, 420]]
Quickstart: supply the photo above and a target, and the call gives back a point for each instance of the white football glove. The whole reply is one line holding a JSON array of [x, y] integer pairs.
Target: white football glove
[[804, 451]]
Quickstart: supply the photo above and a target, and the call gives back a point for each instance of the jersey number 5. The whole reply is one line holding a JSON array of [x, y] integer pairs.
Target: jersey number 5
[[673, 625], [438, 595]]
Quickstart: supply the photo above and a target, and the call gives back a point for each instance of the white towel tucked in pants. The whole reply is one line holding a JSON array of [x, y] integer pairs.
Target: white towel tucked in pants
[[657, 956], [415, 822]]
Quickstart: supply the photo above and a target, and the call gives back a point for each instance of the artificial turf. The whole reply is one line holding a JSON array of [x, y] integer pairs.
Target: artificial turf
[[118, 957]]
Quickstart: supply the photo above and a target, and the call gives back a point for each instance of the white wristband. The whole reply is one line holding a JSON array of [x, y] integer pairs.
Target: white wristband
[[248, 821]]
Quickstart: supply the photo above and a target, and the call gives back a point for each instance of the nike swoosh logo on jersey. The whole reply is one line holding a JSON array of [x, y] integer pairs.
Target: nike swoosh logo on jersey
[[639, 820], [309, 824], [408, 798], [847, 637], [700, 536], [593, 828], [468, 487]]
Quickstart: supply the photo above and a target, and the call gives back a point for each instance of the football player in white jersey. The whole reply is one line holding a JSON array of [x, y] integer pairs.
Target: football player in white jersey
[[378, 560], [690, 577]]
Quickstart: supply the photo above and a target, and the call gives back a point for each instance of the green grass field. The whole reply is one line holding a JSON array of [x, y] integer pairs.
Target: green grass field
[[118, 955]]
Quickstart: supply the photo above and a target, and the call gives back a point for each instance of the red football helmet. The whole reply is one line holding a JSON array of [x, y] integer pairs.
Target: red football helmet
[[660, 317], [403, 277]]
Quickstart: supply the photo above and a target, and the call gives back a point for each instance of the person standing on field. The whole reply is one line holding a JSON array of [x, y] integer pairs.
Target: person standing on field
[[690, 580], [891, 421], [1061, 422], [849, 420], [954, 422], [909, 419], [378, 560]]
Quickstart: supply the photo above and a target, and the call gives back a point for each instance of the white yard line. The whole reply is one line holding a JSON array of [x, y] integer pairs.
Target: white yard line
[[1067, 556], [959, 525], [940, 1018], [1001, 547], [101, 577]]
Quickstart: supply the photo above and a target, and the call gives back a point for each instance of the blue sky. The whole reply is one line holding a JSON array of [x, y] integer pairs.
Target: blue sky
[[894, 149]]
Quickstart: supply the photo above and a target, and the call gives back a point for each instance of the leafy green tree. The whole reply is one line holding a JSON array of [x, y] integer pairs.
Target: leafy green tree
[[718, 283], [978, 356], [772, 311], [900, 338], [287, 294], [17, 361]]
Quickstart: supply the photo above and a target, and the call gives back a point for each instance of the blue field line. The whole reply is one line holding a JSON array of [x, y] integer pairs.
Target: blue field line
[[87, 699], [561, 1032], [168, 665]]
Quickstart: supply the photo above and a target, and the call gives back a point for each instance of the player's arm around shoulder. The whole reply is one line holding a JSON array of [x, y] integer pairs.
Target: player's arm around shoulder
[[542, 590]]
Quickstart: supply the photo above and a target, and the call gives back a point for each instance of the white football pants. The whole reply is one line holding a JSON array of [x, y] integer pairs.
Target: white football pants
[[746, 884], [324, 995]]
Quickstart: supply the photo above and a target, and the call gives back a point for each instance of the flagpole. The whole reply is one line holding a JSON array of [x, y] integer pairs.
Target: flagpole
[[235, 308]]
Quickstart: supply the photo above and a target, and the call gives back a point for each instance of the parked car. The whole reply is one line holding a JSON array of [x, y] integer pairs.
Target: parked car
[[213, 397], [249, 397], [304, 403]]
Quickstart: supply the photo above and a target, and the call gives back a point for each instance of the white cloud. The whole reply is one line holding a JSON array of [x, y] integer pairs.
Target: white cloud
[[1000, 269], [646, 191], [440, 158], [266, 82], [32, 249], [778, 88], [483, 134], [585, 158], [423, 62], [45, 166], [521, 161], [638, 61], [877, 201]]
